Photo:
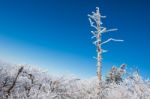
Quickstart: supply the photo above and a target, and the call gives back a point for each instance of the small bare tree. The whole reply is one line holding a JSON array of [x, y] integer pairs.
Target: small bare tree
[[95, 21]]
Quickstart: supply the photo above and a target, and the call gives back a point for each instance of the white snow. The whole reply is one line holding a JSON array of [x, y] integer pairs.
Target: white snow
[[34, 83]]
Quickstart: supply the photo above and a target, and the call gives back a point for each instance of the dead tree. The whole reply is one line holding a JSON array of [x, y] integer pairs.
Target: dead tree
[[95, 21]]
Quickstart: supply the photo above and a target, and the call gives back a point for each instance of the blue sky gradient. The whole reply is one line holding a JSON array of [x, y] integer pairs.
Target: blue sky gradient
[[55, 34]]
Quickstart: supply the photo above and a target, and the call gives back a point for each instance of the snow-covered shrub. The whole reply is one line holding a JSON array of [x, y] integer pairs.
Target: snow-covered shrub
[[26, 82], [116, 74]]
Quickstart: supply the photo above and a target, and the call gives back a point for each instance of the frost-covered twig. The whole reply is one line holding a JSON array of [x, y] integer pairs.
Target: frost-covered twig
[[110, 30], [111, 39]]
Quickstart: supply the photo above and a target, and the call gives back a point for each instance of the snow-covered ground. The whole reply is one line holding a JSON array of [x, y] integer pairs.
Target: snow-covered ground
[[26, 82]]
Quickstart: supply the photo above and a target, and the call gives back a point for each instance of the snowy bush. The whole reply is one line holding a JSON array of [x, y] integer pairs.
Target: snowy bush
[[26, 82], [116, 74]]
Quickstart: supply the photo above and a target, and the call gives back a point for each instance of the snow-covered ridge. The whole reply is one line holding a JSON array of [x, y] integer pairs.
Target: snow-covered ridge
[[26, 82]]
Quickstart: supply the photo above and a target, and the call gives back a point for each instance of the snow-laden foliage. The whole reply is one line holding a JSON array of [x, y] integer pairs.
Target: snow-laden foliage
[[116, 74], [26, 82]]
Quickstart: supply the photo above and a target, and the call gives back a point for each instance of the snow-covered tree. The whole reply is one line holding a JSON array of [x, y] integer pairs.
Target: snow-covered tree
[[116, 74], [96, 23], [28, 82]]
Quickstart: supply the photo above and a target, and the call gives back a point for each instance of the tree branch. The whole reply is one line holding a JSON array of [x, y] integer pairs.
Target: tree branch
[[111, 39], [104, 30], [92, 23], [14, 82]]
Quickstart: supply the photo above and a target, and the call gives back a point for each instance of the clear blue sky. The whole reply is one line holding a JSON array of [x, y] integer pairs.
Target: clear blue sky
[[55, 34]]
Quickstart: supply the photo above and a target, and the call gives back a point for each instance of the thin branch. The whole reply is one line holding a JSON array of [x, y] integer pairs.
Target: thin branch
[[94, 57], [103, 16], [110, 30], [92, 23], [94, 32], [104, 51], [103, 30], [93, 37], [111, 39]]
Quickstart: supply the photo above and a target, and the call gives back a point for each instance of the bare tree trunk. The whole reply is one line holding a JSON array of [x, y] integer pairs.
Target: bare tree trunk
[[99, 51], [95, 21]]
